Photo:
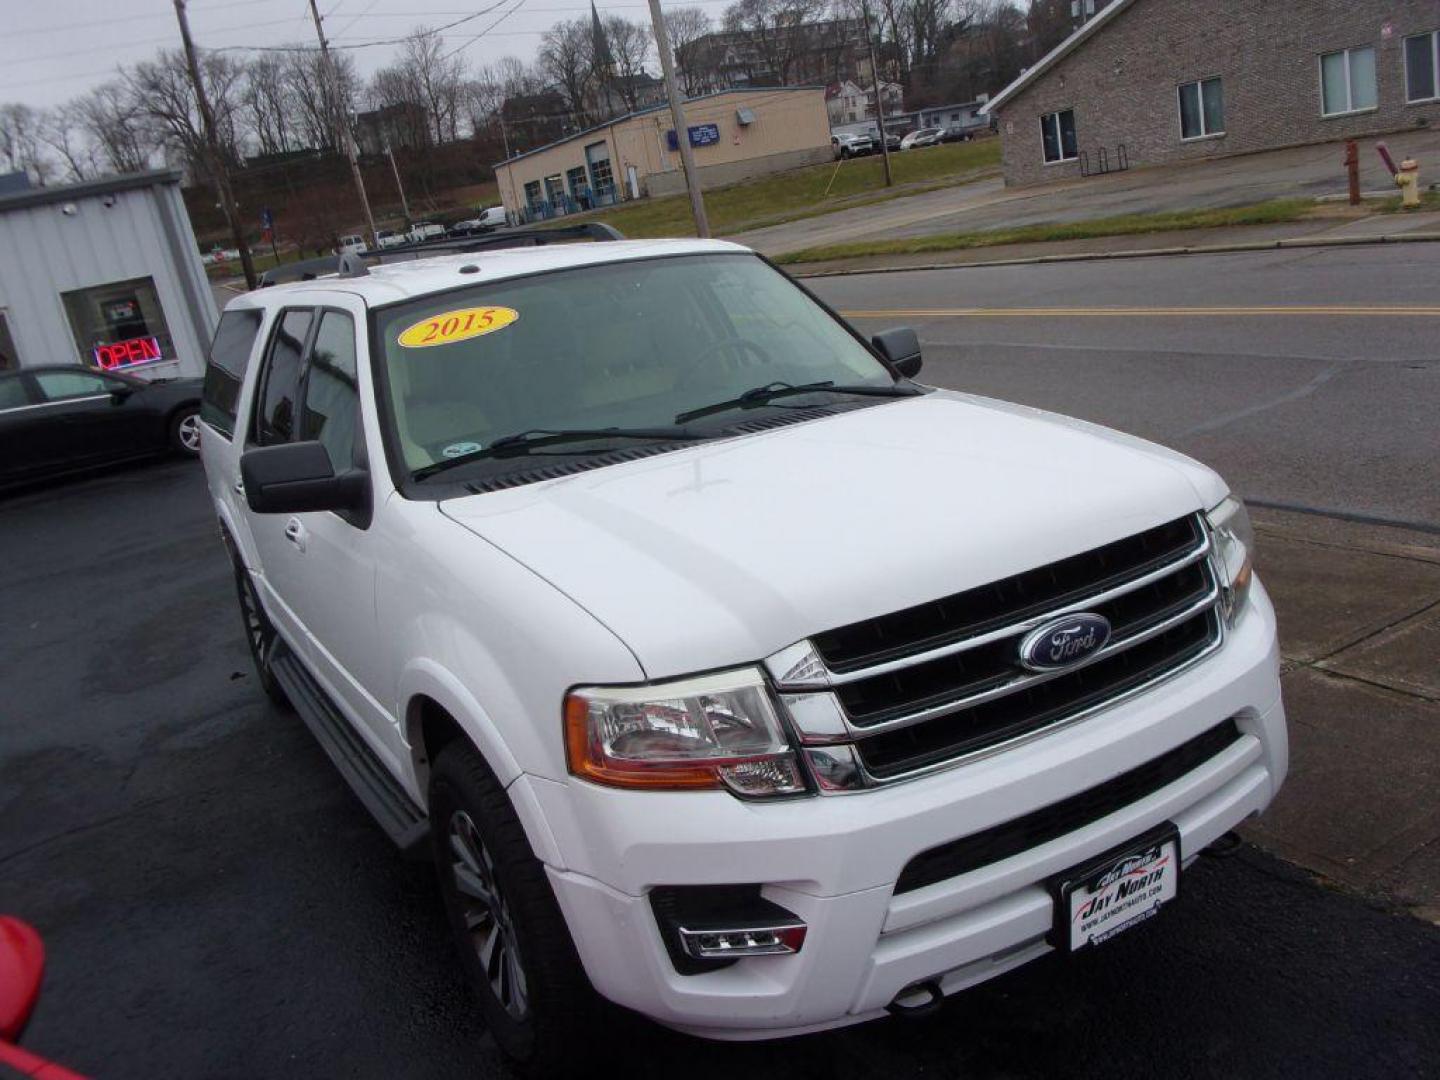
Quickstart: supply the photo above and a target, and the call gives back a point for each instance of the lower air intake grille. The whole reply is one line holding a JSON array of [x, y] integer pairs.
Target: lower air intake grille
[[1056, 820]]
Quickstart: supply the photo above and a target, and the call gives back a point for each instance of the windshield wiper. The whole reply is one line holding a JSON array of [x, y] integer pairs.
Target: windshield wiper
[[523, 442], [760, 395]]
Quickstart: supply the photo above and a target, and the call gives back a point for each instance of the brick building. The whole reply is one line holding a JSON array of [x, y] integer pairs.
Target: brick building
[[1156, 81]]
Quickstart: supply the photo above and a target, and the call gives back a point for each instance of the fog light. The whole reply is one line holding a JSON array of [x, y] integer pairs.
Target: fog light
[[706, 944]]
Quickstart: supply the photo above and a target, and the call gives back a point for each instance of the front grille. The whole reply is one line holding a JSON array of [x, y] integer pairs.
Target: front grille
[[1056, 820], [1035, 706], [977, 611], [942, 680]]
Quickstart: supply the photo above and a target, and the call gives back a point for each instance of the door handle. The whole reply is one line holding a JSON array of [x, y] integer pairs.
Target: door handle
[[295, 533]]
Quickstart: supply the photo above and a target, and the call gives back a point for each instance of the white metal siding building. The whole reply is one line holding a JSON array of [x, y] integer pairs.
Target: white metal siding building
[[105, 274]]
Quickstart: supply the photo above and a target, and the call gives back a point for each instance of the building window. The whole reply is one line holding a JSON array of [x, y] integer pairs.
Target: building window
[[1422, 67], [1347, 81], [1202, 109], [119, 326], [532, 193], [1057, 135]]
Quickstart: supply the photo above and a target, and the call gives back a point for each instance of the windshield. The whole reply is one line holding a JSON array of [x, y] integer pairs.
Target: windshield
[[625, 345]]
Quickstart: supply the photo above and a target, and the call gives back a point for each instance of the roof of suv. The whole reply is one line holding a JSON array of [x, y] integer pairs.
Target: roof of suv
[[389, 282]]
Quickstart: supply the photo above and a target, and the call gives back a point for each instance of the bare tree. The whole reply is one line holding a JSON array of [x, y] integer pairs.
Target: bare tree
[[518, 78], [779, 32], [320, 105], [566, 62], [115, 127], [267, 101], [630, 45], [483, 98], [160, 89], [439, 77], [696, 56], [62, 129], [21, 145]]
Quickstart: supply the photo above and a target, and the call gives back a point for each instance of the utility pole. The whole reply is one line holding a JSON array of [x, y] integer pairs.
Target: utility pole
[[344, 109], [404, 206], [677, 116], [879, 101], [218, 169]]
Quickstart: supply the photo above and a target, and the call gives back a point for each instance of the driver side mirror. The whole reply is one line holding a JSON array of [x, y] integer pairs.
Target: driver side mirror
[[120, 395], [297, 478], [901, 346]]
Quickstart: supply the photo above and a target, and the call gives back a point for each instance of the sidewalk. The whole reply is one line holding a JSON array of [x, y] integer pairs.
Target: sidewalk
[[1342, 227], [1359, 612], [1298, 172]]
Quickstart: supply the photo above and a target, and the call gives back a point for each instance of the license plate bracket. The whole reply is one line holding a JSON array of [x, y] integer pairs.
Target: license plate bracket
[[1116, 891]]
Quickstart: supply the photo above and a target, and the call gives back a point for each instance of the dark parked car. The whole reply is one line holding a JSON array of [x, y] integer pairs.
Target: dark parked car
[[65, 419], [956, 133]]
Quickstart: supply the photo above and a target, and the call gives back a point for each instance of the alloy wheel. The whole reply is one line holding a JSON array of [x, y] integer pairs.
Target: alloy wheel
[[188, 431], [485, 915]]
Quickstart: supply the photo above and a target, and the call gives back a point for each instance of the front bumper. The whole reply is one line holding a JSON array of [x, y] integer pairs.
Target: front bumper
[[834, 861]]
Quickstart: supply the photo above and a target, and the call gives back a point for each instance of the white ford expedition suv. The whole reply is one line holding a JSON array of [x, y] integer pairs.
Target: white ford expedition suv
[[723, 669]]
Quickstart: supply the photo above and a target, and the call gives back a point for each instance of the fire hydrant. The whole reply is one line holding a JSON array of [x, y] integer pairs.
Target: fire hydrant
[[1407, 179]]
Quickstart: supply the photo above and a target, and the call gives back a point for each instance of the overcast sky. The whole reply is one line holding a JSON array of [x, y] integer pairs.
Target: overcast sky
[[53, 50]]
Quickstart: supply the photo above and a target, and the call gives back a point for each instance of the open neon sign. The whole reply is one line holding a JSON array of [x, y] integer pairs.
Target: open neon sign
[[129, 353]]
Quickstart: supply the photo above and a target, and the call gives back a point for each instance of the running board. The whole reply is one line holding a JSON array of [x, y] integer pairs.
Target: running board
[[361, 767]]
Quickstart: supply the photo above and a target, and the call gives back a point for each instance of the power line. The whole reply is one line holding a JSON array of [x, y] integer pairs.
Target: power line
[[503, 15]]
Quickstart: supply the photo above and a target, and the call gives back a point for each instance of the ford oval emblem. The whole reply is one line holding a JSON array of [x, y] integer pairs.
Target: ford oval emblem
[[1062, 642]]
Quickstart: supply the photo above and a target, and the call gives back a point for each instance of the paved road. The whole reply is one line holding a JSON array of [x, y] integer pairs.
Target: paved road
[[1332, 408], [217, 904], [987, 204]]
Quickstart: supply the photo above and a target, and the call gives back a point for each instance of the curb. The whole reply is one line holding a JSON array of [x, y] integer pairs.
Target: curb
[[1146, 253]]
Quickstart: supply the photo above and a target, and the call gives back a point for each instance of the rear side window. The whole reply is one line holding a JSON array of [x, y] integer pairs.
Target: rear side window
[[64, 385], [275, 417], [12, 392], [225, 374], [332, 397]]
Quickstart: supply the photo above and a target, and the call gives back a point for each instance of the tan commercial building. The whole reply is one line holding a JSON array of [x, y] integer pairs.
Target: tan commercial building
[[735, 135]]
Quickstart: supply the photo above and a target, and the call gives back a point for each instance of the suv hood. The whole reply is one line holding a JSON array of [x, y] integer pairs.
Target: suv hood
[[726, 552]]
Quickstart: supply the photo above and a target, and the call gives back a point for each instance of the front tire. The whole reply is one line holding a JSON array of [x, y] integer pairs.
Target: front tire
[[513, 941], [260, 633]]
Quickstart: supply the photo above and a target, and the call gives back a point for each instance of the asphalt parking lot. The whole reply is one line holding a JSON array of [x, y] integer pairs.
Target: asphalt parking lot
[[217, 904]]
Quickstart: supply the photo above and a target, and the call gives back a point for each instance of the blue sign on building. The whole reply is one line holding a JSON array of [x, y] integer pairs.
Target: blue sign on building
[[700, 135]]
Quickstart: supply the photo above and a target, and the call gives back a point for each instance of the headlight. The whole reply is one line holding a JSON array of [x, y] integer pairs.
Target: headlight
[[1234, 551], [707, 732]]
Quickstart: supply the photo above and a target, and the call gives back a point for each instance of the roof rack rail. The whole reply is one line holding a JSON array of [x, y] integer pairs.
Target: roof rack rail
[[351, 265]]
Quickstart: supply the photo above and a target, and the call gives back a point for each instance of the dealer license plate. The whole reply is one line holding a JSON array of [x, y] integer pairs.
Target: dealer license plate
[[1121, 890]]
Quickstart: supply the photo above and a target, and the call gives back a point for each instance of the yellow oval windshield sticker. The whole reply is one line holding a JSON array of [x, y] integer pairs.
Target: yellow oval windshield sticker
[[451, 326]]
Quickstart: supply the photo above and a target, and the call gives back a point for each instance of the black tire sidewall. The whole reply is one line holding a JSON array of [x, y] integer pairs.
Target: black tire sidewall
[[559, 999], [245, 588]]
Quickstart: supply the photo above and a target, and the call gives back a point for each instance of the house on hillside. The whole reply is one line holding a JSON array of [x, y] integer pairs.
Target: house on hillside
[[824, 52], [1147, 82], [849, 103], [404, 125]]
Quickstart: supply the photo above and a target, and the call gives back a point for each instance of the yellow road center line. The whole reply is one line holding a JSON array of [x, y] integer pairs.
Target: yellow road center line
[[1147, 312]]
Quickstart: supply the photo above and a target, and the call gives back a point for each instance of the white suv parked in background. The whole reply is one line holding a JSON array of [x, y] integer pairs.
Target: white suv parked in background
[[723, 668]]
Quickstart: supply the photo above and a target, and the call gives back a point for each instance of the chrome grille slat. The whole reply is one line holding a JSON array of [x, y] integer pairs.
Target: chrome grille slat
[[1201, 551], [908, 715], [860, 731]]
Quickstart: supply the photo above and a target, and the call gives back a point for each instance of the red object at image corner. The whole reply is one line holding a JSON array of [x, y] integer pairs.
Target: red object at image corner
[[22, 963]]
